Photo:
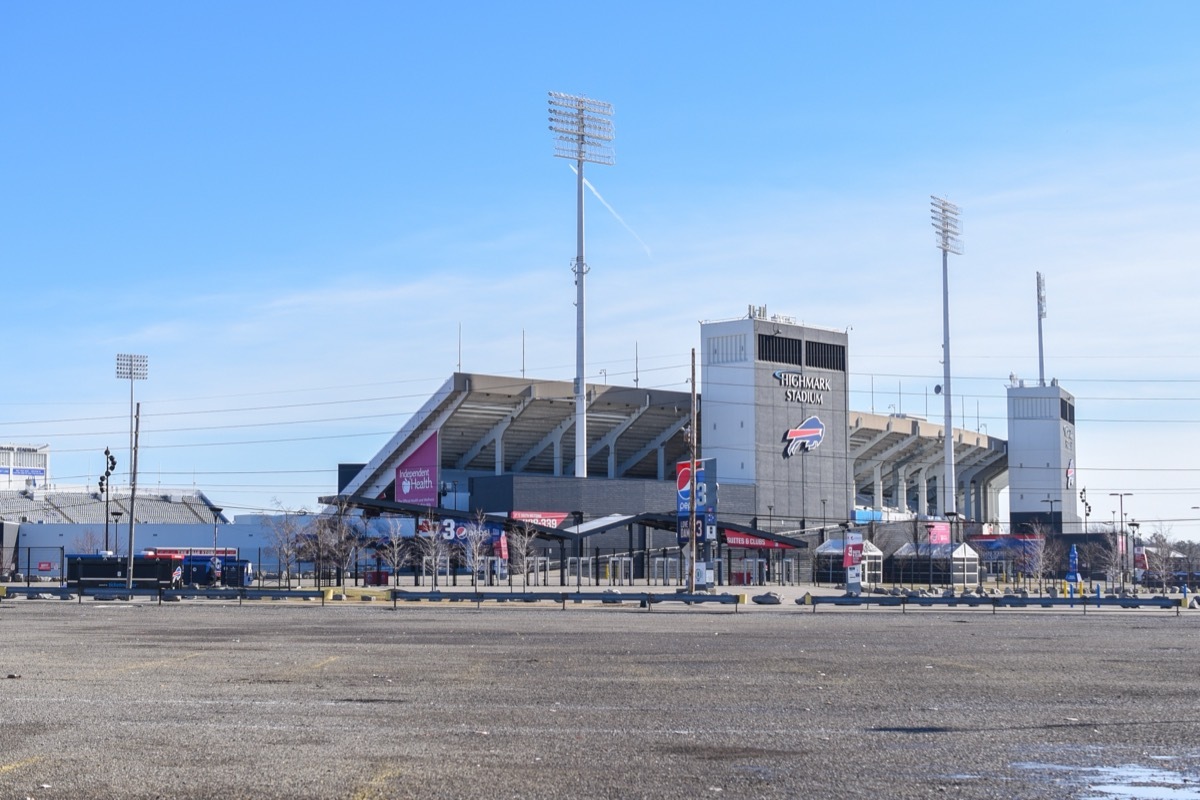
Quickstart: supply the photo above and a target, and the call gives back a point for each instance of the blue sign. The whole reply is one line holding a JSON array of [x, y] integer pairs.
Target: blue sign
[[1073, 570]]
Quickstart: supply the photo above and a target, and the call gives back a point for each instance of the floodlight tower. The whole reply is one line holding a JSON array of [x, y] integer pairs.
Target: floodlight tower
[[945, 222], [583, 131], [132, 368], [1041, 294]]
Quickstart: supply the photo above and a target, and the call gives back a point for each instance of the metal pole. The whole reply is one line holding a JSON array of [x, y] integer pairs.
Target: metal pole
[[950, 495], [580, 326], [106, 519], [133, 491], [218, 577], [945, 223], [692, 533]]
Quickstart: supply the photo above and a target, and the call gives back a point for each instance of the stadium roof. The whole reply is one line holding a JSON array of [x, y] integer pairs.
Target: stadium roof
[[896, 442], [502, 425]]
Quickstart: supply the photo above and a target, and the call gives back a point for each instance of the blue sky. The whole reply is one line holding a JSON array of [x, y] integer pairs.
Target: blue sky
[[294, 209]]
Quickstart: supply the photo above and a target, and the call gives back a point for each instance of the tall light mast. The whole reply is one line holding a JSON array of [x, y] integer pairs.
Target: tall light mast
[[945, 223], [583, 131], [1041, 291]]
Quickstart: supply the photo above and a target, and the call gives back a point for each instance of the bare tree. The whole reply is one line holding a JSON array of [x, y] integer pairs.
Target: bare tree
[[476, 546], [1189, 560], [1100, 553], [432, 546], [1160, 558], [1054, 558], [395, 550], [287, 532], [344, 539], [520, 552], [87, 542], [1031, 558]]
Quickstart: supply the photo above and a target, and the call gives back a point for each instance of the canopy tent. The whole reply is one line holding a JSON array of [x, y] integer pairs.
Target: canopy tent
[[828, 558], [953, 564]]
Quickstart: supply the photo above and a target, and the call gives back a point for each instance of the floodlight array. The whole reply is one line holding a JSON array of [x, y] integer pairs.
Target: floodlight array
[[583, 128], [132, 367], [945, 222]]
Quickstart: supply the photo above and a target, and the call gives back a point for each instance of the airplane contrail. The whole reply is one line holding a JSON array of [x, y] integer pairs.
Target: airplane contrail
[[613, 211]]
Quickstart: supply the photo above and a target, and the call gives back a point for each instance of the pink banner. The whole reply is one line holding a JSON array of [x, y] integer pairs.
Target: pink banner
[[548, 519], [939, 532], [417, 476]]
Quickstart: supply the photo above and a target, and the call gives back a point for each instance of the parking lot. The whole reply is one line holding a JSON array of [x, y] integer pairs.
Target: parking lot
[[360, 700]]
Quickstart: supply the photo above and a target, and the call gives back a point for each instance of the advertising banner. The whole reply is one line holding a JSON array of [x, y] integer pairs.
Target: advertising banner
[[547, 519], [735, 539], [853, 550], [939, 532], [1139, 558], [417, 476]]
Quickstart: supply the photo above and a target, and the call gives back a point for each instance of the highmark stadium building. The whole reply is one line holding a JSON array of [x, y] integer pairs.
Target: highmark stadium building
[[791, 464]]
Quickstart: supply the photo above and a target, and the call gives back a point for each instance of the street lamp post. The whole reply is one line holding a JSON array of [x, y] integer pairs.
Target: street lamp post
[[1122, 539], [929, 544], [1051, 501], [110, 464], [216, 559], [1133, 543], [116, 518]]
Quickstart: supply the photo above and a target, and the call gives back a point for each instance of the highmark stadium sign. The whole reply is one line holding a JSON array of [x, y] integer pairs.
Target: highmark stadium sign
[[801, 388]]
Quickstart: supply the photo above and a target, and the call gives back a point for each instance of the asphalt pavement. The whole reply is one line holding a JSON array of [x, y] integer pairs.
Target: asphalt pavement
[[209, 699]]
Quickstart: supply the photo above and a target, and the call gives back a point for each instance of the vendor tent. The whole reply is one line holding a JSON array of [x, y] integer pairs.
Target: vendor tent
[[936, 564], [828, 558]]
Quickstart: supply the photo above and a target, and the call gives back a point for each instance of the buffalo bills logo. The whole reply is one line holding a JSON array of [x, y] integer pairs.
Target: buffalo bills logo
[[803, 438]]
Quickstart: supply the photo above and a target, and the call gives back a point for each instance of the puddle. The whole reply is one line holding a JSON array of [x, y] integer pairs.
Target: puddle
[[1126, 782]]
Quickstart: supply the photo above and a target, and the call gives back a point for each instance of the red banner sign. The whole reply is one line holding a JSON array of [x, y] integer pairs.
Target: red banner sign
[[735, 539]]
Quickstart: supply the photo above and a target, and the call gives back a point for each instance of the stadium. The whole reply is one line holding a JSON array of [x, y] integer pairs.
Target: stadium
[[791, 463]]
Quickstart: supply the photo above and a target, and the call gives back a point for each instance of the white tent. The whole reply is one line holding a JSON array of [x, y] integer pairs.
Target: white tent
[[827, 563], [954, 564]]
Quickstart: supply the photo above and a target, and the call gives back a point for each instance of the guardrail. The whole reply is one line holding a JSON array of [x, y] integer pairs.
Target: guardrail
[[246, 593], [61, 592], [996, 602], [646, 600], [122, 593]]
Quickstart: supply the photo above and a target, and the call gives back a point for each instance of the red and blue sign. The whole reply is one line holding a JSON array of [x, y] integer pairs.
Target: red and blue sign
[[805, 437], [706, 497]]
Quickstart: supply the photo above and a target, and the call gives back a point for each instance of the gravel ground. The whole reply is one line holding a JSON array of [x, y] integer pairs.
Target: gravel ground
[[290, 700]]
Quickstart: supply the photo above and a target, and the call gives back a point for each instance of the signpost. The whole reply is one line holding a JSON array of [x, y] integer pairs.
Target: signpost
[[852, 553], [704, 508]]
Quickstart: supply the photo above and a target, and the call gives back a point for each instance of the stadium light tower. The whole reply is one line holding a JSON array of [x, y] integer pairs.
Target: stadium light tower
[[583, 131], [945, 222], [1041, 300], [132, 368]]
